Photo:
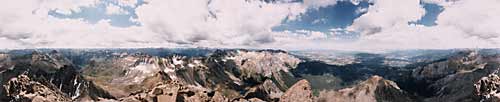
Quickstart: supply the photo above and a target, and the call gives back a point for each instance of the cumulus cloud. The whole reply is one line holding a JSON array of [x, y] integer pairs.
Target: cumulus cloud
[[61, 6], [386, 25], [221, 22], [130, 3], [215, 23], [248, 24], [112, 9], [26, 24], [474, 18], [315, 4], [387, 14]]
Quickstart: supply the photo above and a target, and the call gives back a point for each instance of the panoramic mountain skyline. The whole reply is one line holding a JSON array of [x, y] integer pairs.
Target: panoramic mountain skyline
[[249, 51], [258, 24]]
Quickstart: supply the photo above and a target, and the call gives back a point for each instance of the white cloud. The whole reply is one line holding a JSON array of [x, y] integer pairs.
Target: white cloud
[[307, 34], [387, 13], [165, 23], [319, 21], [474, 18], [26, 24], [315, 4], [435, 1], [63, 6], [130, 3], [247, 24], [385, 26], [222, 22], [361, 10], [112, 9]]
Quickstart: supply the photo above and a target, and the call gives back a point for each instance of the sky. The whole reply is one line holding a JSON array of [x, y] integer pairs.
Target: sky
[[266, 24]]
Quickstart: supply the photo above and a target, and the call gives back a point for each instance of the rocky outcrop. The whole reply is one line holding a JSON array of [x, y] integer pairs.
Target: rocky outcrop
[[299, 92], [22, 88], [374, 89], [488, 88], [173, 91]]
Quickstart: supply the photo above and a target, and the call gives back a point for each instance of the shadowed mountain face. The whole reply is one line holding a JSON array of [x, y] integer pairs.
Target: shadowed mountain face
[[198, 75]]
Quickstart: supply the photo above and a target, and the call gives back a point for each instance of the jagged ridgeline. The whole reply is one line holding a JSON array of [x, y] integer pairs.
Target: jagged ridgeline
[[238, 75], [144, 75]]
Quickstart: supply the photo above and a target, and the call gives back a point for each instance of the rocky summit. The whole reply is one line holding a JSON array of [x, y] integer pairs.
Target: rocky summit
[[239, 75]]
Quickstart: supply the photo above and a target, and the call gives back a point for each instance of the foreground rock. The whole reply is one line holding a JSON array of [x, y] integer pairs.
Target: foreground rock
[[488, 88], [299, 92], [22, 88]]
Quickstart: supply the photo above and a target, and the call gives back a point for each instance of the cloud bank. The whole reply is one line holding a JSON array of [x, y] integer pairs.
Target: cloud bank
[[462, 24], [247, 24]]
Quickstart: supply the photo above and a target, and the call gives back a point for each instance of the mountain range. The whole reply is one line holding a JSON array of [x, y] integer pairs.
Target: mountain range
[[248, 75]]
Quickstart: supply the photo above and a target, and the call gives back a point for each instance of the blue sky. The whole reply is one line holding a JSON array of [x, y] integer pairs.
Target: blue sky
[[343, 14], [97, 13], [321, 19], [431, 14]]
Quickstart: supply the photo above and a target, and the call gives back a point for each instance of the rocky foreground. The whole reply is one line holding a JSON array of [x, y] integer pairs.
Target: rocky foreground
[[242, 76]]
